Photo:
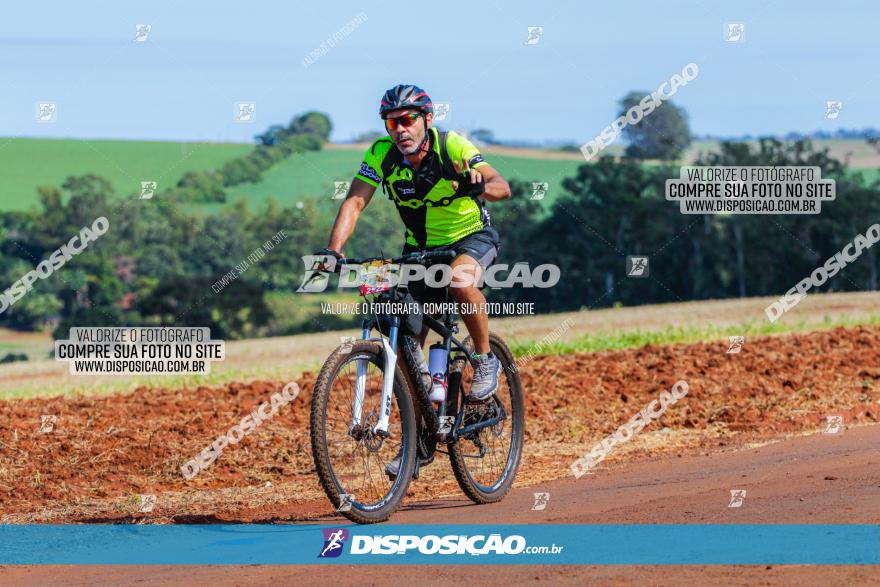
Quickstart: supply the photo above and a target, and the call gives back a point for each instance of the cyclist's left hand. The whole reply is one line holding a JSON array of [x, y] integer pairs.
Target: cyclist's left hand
[[472, 183], [340, 259]]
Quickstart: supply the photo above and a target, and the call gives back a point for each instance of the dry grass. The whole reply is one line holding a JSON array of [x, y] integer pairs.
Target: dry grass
[[286, 357]]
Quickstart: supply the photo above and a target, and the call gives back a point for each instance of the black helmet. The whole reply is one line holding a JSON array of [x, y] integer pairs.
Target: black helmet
[[406, 96]]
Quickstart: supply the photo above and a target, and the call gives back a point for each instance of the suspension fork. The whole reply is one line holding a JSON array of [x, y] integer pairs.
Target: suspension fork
[[360, 385], [390, 346], [420, 399]]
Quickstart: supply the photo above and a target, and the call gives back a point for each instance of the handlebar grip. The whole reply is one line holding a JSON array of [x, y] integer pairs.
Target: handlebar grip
[[439, 254], [402, 258]]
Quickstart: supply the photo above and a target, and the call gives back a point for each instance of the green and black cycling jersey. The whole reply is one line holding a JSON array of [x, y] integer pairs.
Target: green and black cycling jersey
[[433, 213]]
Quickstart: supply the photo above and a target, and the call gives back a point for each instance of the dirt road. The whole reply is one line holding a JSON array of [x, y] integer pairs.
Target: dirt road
[[103, 452], [742, 426], [822, 478]]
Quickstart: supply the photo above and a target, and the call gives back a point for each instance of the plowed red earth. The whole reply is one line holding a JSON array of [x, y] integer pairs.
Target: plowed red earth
[[105, 450]]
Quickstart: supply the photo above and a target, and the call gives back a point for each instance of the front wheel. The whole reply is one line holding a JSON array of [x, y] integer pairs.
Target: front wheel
[[349, 458], [485, 462]]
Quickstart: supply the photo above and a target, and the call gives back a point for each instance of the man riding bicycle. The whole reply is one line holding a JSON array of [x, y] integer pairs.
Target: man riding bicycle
[[439, 182]]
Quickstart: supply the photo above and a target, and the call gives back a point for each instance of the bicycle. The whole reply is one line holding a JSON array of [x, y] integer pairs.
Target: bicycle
[[355, 432]]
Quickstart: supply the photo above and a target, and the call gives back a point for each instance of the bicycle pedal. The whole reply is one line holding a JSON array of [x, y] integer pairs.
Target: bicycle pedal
[[420, 463]]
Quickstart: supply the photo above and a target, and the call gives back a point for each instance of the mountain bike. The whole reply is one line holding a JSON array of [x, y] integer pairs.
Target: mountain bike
[[368, 407]]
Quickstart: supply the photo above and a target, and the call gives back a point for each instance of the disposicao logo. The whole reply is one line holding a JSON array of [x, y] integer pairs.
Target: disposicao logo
[[334, 540]]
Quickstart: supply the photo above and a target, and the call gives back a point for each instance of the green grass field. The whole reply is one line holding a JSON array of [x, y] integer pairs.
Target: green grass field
[[606, 341], [311, 175], [26, 164]]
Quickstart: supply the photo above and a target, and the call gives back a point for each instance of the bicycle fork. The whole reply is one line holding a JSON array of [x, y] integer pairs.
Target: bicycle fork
[[389, 344]]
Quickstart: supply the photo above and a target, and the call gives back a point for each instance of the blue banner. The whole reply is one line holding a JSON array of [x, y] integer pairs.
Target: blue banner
[[611, 544]]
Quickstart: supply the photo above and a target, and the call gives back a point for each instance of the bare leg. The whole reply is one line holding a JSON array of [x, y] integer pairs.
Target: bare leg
[[464, 291]]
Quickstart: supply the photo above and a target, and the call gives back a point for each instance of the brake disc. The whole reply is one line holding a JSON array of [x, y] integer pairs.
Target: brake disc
[[371, 441]]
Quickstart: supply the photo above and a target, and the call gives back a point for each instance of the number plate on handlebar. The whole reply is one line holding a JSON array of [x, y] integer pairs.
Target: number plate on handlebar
[[377, 277], [366, 290]]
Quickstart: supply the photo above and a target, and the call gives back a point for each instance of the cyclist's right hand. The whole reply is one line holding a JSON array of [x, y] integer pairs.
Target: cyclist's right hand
[[340, 258]]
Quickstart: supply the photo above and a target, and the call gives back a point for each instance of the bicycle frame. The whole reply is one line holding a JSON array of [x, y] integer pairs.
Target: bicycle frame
[[446, 329]]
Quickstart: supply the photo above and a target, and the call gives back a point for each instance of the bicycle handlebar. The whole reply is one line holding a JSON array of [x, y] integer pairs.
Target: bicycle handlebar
[[417, 257]]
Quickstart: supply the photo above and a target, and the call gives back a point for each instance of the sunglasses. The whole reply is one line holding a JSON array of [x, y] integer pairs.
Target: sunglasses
[[405, 121]]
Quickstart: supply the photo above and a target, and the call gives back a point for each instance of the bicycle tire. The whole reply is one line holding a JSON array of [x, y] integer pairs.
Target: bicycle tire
[[477, 492], [374, 352]]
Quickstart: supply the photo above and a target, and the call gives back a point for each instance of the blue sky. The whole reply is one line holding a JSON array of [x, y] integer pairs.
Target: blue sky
[[202, 57]]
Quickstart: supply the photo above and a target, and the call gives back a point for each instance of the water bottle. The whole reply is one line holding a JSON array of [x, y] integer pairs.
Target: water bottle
[[437, 359], [422, 366]]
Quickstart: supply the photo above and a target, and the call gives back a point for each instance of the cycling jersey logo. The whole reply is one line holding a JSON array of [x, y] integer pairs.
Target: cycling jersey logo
[[400, 174], [369, 172], [334, 540]]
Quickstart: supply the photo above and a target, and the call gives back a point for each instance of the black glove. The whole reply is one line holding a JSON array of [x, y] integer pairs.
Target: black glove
[[340, 258], [337, 255], [472, 190]]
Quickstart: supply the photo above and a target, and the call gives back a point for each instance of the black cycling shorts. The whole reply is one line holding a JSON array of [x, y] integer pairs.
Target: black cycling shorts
[[482, 245]]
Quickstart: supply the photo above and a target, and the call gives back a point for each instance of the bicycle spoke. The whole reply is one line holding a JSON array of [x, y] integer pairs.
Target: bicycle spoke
[[357, 458], [489, 469]]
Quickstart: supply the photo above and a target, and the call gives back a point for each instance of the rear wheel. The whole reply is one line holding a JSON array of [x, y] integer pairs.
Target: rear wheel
[[351, 460], [485, 462]]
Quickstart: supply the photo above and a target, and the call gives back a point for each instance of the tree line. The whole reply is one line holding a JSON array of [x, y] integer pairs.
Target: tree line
[[159, 259], [617, 208]]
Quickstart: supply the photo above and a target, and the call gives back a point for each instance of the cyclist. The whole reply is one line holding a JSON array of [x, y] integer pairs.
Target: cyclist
[[438, 181]]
